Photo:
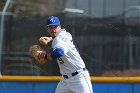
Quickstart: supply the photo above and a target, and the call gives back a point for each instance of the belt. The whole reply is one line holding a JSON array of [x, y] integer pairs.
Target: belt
[[74, 73]]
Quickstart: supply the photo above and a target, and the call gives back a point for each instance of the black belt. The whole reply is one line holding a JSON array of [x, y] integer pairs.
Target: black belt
[[73, 74]]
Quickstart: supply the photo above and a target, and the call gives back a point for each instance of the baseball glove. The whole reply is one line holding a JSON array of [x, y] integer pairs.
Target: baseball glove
[[34, 51]]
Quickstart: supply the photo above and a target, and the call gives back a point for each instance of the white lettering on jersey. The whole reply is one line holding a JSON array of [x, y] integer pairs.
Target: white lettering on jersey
[[62, 38]]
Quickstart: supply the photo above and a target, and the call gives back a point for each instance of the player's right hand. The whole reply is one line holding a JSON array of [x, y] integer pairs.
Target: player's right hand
[[45, 40]]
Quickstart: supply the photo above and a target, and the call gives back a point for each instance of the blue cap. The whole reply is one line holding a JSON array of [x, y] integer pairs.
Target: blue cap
[[52, 20]]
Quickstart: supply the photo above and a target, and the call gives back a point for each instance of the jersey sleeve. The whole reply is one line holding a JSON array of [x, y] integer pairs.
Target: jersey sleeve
[[60, 42]]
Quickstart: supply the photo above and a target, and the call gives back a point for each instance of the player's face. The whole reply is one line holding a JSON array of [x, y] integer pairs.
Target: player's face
[[54, 30]]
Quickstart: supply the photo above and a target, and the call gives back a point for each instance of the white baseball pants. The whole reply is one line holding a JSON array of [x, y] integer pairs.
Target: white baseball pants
[[79, 83]]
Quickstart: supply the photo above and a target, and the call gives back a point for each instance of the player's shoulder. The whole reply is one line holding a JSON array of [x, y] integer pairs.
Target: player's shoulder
[[64, 33], [63, 36]]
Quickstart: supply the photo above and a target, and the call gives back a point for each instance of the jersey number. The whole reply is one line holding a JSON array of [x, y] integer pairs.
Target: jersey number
[[60, 61]]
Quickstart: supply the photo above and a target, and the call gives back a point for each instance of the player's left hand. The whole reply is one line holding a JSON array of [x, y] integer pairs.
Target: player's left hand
[[41, 54], [38, 53]]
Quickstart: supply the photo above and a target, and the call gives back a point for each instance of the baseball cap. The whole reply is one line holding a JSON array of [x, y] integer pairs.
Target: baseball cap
[[53, 20]]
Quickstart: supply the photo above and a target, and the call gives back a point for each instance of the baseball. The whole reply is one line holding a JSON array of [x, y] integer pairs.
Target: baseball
[[44, 41]]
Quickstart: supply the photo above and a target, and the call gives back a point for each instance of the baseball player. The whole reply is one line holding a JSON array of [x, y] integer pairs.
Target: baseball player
[[75, 77]]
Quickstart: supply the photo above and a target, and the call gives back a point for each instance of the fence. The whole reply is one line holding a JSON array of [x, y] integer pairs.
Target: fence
[[33, 84]]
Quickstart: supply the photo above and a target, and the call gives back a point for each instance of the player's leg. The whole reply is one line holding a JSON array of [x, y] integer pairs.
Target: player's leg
[[62, 87], [81, 83]]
